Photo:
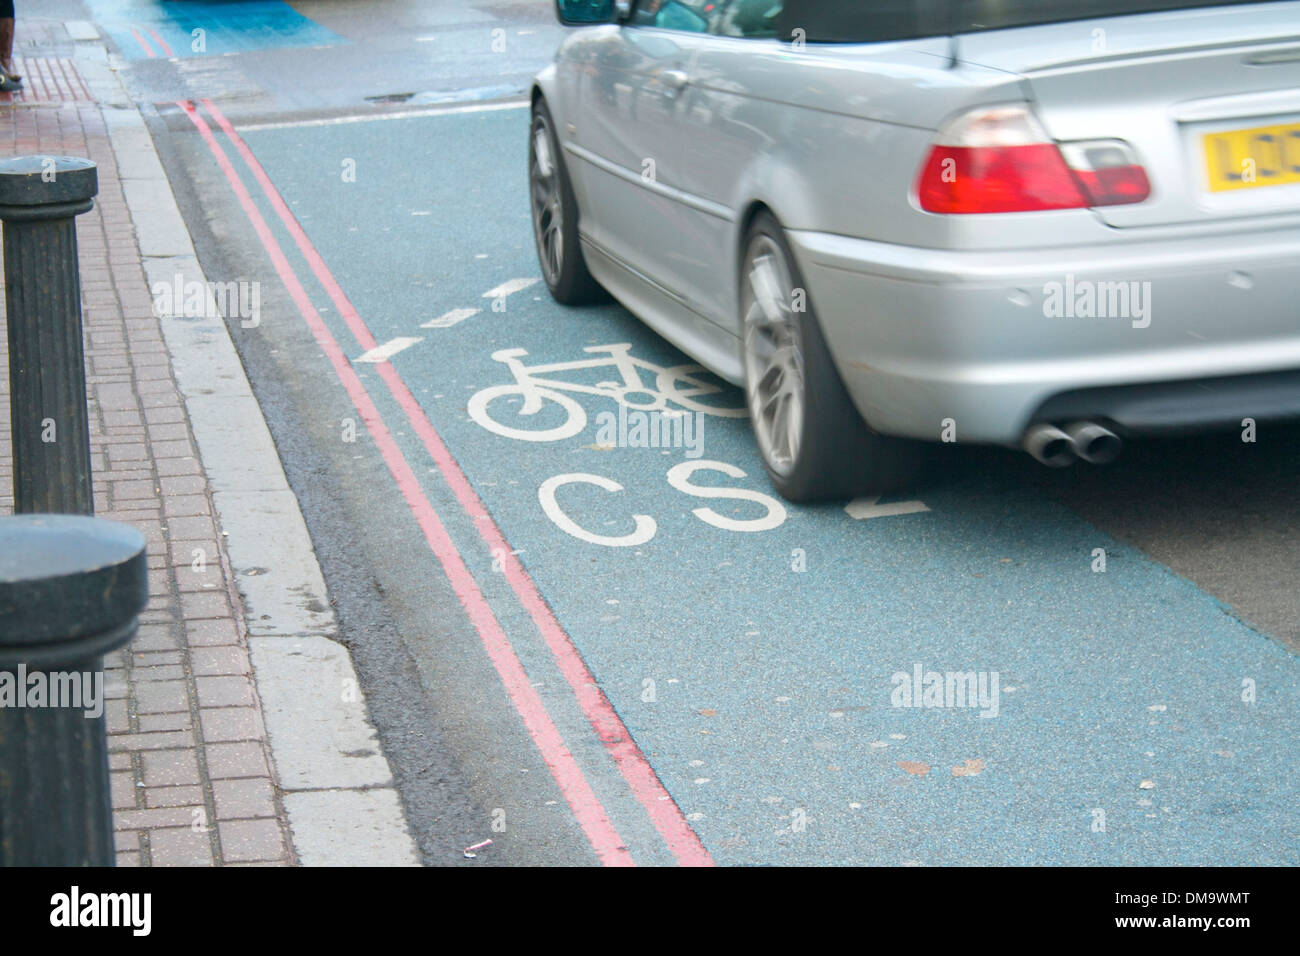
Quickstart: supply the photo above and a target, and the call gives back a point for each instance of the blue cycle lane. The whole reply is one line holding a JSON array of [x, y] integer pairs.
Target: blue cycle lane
[[144, 29], [777, 664]]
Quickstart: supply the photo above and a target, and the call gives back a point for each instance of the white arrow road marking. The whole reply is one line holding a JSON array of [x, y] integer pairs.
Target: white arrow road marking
[[449, 319], [862, 508], [382, 353], [508, 288]]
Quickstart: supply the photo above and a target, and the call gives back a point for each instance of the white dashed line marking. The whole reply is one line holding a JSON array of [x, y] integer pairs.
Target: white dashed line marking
[[449, 319], [508, 288], [382, 353], [863, 508]]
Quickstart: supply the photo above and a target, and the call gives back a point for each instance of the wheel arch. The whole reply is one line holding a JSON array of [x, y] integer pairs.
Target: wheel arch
[[775, 185], [543, 87], [752, 210]]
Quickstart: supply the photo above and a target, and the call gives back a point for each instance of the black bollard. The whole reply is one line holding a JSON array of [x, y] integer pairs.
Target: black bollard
[[71, 589], [40, 196]]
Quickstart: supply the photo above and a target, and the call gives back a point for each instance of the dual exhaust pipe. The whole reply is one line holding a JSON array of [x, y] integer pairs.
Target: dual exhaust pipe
[[1059, 447]]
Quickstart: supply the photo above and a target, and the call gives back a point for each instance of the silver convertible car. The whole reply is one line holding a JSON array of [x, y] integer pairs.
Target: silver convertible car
[[1052, 224]]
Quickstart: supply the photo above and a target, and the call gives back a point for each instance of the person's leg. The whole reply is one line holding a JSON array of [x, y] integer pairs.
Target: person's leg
[[7, 38]]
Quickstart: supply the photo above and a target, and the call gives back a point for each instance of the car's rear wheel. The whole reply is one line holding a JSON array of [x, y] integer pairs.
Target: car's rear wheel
[[814, 443], [555, 217]]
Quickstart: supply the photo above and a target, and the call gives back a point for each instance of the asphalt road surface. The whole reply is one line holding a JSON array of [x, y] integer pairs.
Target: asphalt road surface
[[600, 653]]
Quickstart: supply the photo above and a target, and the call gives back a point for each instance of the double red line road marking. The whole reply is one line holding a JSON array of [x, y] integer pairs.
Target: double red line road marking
[[144, 44], [640, 777]]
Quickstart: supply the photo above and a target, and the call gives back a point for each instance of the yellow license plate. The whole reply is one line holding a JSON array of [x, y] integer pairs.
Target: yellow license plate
[[1246, 158]]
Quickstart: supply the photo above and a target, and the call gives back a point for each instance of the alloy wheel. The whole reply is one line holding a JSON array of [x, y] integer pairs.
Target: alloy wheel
[[774, 363], [548, 210]]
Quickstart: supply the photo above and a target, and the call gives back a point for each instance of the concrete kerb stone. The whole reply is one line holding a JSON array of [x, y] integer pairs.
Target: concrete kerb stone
[[80, 30], [275, 568], [314, 697], [365, 841]]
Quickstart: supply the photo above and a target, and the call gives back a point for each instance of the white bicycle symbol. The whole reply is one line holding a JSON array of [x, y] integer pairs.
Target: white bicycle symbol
[[678, 384]]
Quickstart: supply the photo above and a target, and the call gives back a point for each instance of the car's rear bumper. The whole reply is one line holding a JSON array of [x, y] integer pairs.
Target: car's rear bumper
[[1191, 332]]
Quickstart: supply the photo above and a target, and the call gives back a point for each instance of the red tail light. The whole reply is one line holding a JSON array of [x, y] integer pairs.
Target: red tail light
[[1001, 160], [1108, 172]]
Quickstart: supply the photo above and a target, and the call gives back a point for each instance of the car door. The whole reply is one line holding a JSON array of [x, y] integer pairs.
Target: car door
[[721, 125], [628, 137]]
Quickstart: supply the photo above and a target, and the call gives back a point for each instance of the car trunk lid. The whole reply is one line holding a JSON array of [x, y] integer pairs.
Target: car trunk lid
[[1208, 98]]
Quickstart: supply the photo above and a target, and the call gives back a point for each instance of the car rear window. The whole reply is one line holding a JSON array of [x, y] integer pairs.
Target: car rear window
[[874, 21]]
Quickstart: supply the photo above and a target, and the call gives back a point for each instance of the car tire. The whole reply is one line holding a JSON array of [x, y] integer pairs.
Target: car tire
[[822, 449], [554, 211]]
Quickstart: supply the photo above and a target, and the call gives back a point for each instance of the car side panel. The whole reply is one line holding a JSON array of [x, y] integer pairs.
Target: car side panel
[[618, 143]]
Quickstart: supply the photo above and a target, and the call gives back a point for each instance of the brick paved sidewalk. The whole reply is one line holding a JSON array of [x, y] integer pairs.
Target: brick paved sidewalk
[[192, 783]]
